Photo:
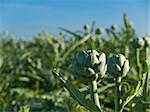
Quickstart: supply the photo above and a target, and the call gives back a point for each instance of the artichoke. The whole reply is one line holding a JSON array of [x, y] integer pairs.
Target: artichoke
[[118, 66], [147, 41], [114, 27], [138, 43], [99, 31], [89, 63]]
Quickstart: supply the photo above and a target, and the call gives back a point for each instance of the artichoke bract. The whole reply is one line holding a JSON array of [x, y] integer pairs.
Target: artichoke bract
[[118, 66], [89, 63]]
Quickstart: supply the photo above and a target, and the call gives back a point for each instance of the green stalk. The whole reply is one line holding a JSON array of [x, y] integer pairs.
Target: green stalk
[[145, 89], [94, 94], [117, 97], [117, 94], [131, 97], [139, 68], [147, 52], [126, 51], [145, 80]]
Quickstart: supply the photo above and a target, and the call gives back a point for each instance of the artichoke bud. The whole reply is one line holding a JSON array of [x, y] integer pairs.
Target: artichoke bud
[[87, 28], [114, 27], [118, 66], [98, 31], [147, 41], [141, 42], [138, 43], [89, 63]]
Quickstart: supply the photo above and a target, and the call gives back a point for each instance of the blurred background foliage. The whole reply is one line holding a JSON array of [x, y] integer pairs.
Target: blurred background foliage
[[26, 79]]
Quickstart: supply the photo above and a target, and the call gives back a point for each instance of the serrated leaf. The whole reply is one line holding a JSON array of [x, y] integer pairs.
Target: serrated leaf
[[70, 32], [77, 95]]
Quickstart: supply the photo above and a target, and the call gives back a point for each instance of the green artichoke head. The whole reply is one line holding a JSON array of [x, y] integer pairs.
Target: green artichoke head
[[147, 41], [118, 66], [114, 27], [138, 43], [89, 63]]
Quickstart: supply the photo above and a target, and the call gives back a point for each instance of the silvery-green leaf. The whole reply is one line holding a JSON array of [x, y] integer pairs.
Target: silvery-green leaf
[[77, 95]]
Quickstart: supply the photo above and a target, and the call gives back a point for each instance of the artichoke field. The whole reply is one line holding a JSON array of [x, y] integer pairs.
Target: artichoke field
[[103, 69]]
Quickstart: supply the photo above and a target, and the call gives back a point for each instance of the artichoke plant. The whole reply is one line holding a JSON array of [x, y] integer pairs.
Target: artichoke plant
[[118, 66], [89, 63], [138, 45], [89, 66]]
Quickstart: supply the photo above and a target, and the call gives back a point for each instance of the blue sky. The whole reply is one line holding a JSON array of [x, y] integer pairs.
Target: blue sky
[[25, 18]]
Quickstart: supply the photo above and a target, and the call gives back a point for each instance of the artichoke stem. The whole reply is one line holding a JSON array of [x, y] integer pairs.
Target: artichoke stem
[[147, 75], [145, 90], [126, 51], [117, 94], [94, 94], [139, 68], [146, 79], [147, 53]]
